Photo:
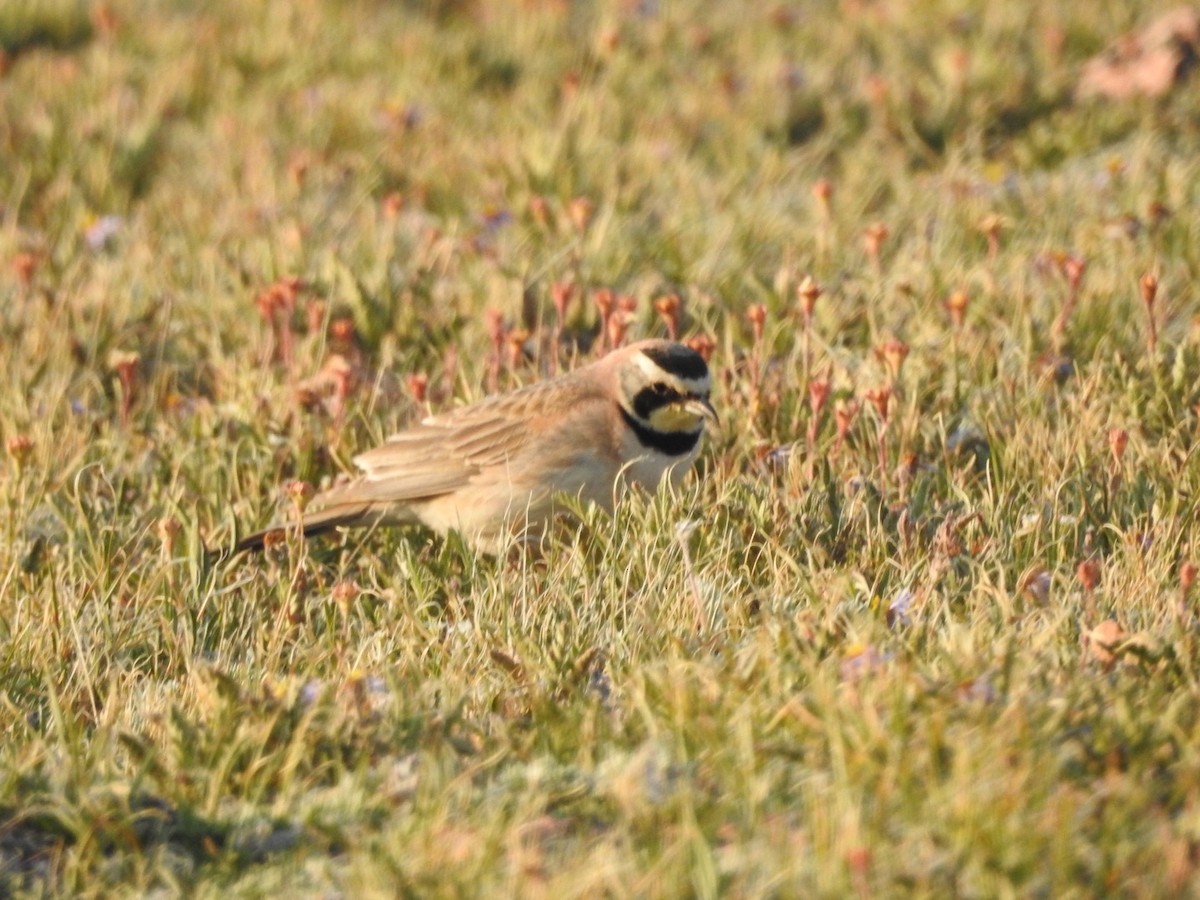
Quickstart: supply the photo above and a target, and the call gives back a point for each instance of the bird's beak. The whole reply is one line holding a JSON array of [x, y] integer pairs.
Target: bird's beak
[[701, 407]]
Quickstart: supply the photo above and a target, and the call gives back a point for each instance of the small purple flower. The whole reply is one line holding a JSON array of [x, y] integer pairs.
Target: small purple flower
[[898, 610], [413, 116], [310, 693], [496, 219], [102, 231]]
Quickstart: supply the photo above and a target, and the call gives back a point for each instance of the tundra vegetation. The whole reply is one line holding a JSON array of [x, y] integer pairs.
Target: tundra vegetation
[[921, 622]]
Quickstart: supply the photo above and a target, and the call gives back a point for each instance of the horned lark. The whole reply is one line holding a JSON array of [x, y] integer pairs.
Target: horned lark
[[492, 470]]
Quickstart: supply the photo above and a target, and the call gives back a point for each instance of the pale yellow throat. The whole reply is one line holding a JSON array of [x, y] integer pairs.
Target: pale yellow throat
[[685, 416]]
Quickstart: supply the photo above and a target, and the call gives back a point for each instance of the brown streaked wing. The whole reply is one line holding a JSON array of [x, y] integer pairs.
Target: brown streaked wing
[[445, 452]]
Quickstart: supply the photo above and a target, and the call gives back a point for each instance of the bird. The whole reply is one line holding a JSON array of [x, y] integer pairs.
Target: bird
[[495, 470]]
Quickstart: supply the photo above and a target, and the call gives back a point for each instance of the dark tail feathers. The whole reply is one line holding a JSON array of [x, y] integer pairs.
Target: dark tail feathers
[[313, 524]]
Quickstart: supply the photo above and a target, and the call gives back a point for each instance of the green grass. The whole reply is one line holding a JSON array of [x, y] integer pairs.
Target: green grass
[[705, 694]]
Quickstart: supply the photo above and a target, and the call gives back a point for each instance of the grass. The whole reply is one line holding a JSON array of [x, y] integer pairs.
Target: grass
[[931, 635]]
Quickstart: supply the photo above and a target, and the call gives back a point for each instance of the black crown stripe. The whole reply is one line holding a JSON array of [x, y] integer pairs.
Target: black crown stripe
[[678, 360]]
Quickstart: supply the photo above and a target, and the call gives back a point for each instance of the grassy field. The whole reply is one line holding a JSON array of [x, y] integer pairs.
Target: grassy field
[[920, 622]]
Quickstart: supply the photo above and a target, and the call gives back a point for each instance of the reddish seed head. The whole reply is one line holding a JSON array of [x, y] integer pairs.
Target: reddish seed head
[[609, 40], [579, 211], [1104, 641], [570, 84], [822, 191], [25, 266], [757, 314], [266, 303], [881, 399], [274, 539], [125, 363], [516, 346], [1073, 268], [1088, 573], [668, 306], [418, 385], [168, 529], [960, 62], [19, 447], [334, 383], [616, 327], [991, 225], [844, 412], [818, 395], [105, 20], [605, 300], [278, 298], [344, 593], [956, 305], [808, 292], [874, 237], [1187, 575], [858, 860], [342, 330], [1118, 439], [668, 310], [300, 492], [1149, 288], [703, 345], [340, 374], [893, 352], [392, 204], [493, 321], [561, 295]]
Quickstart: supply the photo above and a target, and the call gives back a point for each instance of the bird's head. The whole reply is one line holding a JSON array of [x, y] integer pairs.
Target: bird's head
[[664, 386]]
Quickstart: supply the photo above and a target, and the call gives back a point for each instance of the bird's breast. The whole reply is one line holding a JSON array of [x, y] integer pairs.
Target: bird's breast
[[647, 467]]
